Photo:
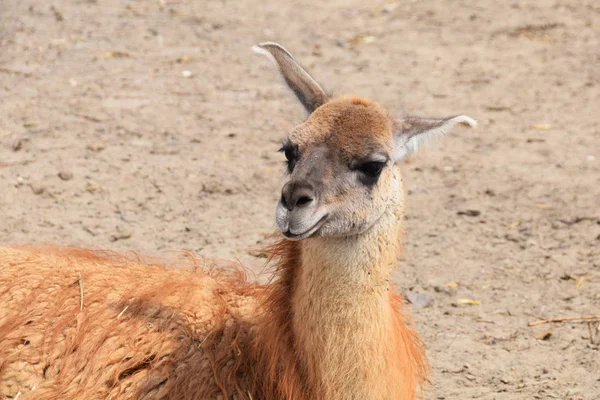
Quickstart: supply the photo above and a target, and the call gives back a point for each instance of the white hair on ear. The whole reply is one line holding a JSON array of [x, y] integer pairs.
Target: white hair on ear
[[420, 130], [259, 49], [465, 120]]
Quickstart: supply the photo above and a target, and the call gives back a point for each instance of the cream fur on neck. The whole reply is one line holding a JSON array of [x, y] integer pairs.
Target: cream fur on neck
[[343, 319]]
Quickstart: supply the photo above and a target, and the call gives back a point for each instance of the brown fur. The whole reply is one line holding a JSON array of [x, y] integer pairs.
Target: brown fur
[[353, 126], [278, 371], [148, 331], [145, 331]]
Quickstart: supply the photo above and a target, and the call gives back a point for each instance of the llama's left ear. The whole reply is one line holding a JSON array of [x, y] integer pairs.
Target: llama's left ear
[[412, 132], [306, 89]]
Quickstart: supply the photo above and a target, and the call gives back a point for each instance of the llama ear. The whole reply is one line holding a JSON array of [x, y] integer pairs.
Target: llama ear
[[412, 132], [308, 91]]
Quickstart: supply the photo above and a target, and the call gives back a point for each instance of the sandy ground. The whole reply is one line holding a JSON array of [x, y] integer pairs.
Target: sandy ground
[[104, 141]]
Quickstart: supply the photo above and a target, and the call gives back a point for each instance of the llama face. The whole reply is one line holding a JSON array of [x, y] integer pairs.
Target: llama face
[[342, 176], [342, 160]]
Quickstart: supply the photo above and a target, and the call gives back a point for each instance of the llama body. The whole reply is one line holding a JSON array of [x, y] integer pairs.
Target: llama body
[[144, 331], [78, 324], [147, 331]]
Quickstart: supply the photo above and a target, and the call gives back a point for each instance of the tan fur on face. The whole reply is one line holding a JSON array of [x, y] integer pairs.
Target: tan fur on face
[[345, 132], [353, 126]]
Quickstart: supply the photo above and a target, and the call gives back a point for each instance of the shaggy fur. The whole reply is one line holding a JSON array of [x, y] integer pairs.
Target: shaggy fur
[[147, 331]]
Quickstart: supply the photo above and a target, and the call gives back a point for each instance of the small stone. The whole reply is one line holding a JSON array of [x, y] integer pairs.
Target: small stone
[[91, 186], [37, 188], [121, 233], [211, 186], [17, 145], [442, 289], [187, 74], [258, 253], [419, 300], [469, 213], [65, 175], [543, 335], [95, 147]]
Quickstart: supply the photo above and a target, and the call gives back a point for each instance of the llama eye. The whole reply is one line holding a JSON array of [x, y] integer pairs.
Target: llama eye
[[291, 155], [371, 169]]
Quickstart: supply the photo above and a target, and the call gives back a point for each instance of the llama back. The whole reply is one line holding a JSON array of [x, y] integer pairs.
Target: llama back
[[83, 324]]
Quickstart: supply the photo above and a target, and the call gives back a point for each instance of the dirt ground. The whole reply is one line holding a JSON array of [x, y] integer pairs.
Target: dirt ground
[[151, 126]]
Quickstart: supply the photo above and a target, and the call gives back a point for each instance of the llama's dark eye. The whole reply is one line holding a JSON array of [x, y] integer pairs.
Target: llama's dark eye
[[291, 154], [371, 169]]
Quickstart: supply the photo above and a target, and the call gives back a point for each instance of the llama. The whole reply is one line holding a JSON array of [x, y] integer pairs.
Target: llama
[[82, 324]]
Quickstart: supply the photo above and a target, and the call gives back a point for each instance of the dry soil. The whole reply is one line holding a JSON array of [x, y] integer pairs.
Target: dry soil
[[151, 126]]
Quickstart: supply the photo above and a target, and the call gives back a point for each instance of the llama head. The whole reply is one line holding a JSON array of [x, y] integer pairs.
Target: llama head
[[342, 171]]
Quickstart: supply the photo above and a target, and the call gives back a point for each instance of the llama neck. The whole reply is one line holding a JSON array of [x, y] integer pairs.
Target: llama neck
[[347, 326]]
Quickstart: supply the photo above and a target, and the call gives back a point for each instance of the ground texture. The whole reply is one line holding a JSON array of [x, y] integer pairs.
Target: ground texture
[[150, 126]]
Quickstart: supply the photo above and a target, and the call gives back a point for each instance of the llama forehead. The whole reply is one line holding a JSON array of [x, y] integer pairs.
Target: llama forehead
[[350, 126]]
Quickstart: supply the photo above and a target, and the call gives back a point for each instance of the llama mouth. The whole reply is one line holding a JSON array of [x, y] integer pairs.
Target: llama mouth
[[308, 233]]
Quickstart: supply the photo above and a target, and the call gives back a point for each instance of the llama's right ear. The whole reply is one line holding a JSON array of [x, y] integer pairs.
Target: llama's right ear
[[308, 91], [411, 132]]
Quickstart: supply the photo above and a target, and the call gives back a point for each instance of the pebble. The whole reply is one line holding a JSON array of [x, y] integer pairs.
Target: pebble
[[121, 232], [91, 186], [37, 188], [95, 147], [211, 186], [469, 213], [17, 145], [65, 175]]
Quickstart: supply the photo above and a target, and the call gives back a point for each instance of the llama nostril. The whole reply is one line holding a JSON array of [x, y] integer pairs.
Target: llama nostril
[[283, 202], [297, 195], [302, 200]]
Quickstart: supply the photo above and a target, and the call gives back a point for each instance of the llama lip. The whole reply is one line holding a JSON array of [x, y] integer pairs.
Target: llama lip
[[307, 233]]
